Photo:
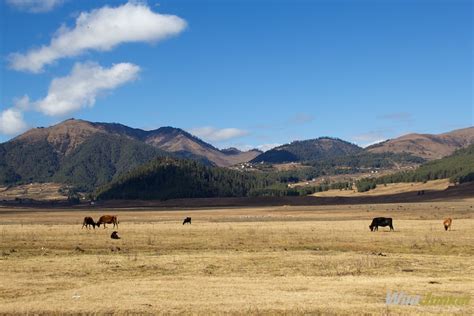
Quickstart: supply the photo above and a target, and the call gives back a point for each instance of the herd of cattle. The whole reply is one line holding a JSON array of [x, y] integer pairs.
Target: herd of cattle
[[112, 219], [105, 219]]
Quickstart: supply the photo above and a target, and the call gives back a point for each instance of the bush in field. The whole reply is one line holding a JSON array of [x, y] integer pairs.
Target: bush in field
[[365, 185]]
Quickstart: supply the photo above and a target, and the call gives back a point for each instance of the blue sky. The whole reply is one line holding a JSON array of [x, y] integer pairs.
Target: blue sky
[[240, 73]]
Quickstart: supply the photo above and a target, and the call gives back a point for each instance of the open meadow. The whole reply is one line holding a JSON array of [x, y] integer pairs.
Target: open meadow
[[275, 260], [391, 188]]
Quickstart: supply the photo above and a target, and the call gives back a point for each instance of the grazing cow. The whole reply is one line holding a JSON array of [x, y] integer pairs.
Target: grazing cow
[[88, 221], [114, 235], [447, 223], [108, 219], [381, 221], [187, 220]]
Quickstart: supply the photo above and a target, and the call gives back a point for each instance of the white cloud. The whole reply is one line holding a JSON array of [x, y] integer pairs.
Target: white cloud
[[262, 147], [11, 121], [35, 6], [101, 30], [82, 86], [265, 147], [374, 142], [22, 103], [368, 139], [214, 134]]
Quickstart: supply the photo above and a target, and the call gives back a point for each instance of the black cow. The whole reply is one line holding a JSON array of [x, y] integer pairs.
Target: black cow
[[381, 221], [114, 235], [88, 221], [187, 220]]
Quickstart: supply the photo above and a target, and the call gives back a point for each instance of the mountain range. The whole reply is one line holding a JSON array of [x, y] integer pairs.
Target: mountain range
[[427, 146], [165, 178], [68, 135], [88, 155]]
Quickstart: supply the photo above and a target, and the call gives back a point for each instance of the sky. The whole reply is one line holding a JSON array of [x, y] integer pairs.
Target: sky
[[247, 74]]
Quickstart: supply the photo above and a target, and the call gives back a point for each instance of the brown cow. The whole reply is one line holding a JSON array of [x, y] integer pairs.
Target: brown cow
[[88, 221], [108, 219], [447, 223]]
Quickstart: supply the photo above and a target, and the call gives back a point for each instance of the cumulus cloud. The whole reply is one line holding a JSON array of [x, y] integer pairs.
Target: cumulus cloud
[[35, 6], [101, 30], [266, 147], [214, 134], [22, 103], [11, 121], [82, 86], [67, 94]]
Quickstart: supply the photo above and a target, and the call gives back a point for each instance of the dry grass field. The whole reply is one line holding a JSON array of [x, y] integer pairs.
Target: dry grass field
[[391, 188], [36, 191], [279, 260]]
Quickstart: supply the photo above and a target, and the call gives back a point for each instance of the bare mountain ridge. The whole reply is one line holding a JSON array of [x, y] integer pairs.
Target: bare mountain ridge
[[427, 146], [64, 137], [68, 135]]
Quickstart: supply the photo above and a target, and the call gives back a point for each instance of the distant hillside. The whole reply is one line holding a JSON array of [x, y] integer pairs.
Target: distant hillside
[[68, 135], [458, 167], [88, 154], [62, 138], [167, 178], [35, 161], [182, 143], [235, 152], [367, 160], [102, 158], [231, 151], [427, 146], [94, 162], [309, 150]]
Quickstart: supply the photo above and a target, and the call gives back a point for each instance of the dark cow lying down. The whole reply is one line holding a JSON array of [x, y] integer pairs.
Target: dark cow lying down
[[187, 220], [381, 221]]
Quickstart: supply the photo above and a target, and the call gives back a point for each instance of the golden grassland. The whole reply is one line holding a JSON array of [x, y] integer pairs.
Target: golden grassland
[[279, 260], [36, 191], [391, 188], [348, 177]]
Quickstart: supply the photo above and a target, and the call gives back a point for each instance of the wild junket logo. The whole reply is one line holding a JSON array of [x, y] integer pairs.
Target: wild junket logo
[[402, 298]]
